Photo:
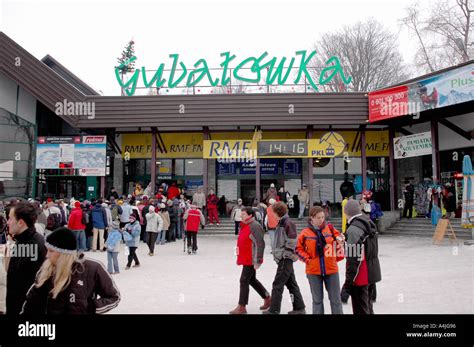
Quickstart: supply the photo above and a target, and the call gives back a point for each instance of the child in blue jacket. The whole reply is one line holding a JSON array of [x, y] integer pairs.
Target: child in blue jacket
[[132, 239], [113, 248]]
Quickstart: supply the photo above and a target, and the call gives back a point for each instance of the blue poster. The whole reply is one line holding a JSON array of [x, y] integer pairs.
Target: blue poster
[[226, 169], [292, 167], [267, 167]]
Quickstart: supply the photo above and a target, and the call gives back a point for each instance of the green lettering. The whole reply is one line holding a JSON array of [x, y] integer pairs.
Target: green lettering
[[225, 80], [279, 71], [204, 71], [303, 68], [255, 68], [337, 69], [132, 81], [172, 84], [158, 75]]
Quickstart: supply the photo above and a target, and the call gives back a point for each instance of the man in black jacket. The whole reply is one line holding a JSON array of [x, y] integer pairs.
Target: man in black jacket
[[362, 262], [27, 254]]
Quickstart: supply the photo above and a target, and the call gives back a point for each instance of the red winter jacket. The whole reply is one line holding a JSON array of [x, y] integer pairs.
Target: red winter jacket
[[212, 201], [173, 192], [75, 220], [194, 219], [250, 244]]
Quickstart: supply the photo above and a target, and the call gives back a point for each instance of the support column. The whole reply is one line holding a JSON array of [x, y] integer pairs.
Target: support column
[[257, 179], [363, 158], [205, 164], [102, 187], [309, 178], [393, 171], [435, 157], [153, 161]]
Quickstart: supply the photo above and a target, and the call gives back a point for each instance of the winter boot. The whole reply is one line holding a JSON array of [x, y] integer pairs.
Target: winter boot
[[240, 309], [302, 311], [266, 303], [189, 250]]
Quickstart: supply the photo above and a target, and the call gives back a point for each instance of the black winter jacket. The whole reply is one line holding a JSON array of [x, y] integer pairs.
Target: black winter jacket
[[362, 231], [91, 290], [22, 269]]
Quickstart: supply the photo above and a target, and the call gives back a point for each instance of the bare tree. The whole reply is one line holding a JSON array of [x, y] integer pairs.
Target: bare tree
[[444, 36], [368, 53], [235, 88]]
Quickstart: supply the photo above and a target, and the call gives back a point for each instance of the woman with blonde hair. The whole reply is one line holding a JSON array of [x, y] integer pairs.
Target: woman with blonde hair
[[67, 284]]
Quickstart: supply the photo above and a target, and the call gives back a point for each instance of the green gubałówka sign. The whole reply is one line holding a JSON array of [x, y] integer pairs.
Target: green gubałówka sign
[[276, 72]]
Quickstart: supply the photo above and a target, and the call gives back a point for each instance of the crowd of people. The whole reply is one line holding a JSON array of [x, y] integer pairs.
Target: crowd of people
[[64, 230]]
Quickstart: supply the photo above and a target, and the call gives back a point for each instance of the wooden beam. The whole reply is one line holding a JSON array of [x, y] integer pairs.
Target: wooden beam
[[467, 135]]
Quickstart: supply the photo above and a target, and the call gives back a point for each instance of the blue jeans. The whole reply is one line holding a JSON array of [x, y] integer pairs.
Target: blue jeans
[[112, 257], [161, 237], [179, 228], [334, 292], [89, 243], [302, 208], [80, 239], [271, 233]]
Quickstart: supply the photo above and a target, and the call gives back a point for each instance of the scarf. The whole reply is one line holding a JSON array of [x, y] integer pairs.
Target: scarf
[[320, 239]]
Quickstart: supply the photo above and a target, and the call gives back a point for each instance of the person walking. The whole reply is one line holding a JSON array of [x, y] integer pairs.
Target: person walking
[[69, 284], [409, 195], [236, 215], [284, 255], [320, 246], [250, 248], [271, 222], [77, 223], [212, 201], [154, 225], [362, 262], [22, 269], [199, 199], [113, 245], [132, 240], [99, 223], [165, 216], [303, 198], [193, 219]]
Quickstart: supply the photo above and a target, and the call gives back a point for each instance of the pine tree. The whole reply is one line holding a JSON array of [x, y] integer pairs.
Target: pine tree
[[125, 65]]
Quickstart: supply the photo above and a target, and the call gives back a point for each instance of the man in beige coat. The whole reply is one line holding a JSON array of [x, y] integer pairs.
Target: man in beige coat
[[303, 197]]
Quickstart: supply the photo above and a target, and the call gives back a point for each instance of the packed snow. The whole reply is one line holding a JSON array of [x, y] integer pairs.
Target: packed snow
[[417, 277]]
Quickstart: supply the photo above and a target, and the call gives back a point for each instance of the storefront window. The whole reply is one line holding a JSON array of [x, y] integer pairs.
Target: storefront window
[[179, 167], [194, 167]]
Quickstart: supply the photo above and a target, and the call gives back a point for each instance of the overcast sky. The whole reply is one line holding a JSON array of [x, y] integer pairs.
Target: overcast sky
[[88, 36]]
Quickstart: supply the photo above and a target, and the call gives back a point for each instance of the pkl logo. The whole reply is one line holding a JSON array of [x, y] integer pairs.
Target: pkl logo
[[41, 140]]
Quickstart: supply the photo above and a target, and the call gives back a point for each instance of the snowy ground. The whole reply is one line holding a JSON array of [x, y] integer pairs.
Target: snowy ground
[[417, 278]]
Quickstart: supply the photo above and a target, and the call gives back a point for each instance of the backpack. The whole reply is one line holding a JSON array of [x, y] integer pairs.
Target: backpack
[[85, 218], [115, 213], [53, 222]]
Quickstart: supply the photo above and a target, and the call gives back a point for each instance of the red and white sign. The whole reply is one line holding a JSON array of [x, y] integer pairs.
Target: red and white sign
[[94, 139], [388, 103]]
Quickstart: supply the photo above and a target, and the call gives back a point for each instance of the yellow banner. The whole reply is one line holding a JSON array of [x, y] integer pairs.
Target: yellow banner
[[191, 145], [169, 145]]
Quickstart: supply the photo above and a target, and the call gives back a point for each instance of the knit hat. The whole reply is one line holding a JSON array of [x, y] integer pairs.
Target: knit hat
[[62, 240], [271, 201], [162, 205], [115, 225], [77, 204], [152, 208], [170, 202], [352, 208], [272, 185], [132, 218]]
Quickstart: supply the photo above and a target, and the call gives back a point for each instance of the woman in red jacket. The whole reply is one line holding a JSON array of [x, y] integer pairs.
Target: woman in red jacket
[[250, 247], [76, 224], [320, 246]]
